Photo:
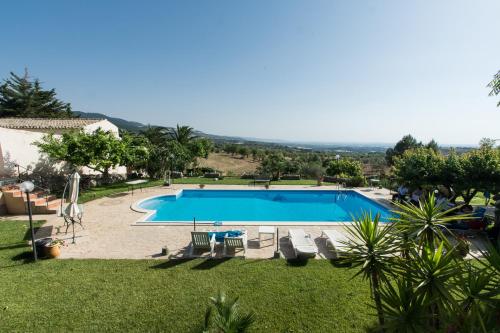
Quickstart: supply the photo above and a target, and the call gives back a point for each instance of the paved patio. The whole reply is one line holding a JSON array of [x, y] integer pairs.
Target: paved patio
[[111, 232]]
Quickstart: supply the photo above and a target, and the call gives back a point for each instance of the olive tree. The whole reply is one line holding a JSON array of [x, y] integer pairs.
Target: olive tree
[[99, 150]]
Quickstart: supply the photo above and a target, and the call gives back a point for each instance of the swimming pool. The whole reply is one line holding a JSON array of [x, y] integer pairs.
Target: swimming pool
[[259, 206]]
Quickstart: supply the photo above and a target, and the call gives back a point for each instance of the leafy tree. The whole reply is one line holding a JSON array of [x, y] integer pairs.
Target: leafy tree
[[432, 145], [487, 143], [137, 153], [313, 170], [254, 152], [22, 97], [99, 151], [464, 175], [344, 168], [481, 172], [231, 149], [495, 85], [406, 143], [273, 164], [201, 147], [225, 316], [243, 151], [418, 167], [371, 250]]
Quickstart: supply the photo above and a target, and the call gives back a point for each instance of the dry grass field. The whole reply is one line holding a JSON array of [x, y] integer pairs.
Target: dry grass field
[[229, 165]]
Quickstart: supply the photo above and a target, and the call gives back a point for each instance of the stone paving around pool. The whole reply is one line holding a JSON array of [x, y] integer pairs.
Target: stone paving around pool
[[110, 231]]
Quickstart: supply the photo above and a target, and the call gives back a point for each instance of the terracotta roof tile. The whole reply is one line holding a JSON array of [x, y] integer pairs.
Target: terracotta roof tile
[[46, 123]]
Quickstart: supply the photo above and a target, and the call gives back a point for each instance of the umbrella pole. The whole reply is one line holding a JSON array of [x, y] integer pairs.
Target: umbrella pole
[[73, 223]]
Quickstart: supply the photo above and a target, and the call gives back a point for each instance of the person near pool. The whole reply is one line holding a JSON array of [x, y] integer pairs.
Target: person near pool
[[402, 193], [415, 195]]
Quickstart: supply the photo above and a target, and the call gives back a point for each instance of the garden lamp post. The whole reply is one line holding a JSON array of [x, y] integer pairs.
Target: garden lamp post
[[28, 187]]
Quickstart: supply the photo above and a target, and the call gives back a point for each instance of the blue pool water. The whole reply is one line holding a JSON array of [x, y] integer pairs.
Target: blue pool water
[[261, 205]]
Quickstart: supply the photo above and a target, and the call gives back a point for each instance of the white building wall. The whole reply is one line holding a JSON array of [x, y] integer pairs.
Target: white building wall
[[16, 147], [105, 125]]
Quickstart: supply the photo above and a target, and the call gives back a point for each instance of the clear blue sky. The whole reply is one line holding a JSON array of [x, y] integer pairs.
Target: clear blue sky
[[334, 71]]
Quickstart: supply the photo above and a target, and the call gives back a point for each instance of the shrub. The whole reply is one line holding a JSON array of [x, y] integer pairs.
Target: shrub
[[358, 181]]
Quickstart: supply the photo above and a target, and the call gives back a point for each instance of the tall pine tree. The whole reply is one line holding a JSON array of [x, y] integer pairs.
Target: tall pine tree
[[24, 98]]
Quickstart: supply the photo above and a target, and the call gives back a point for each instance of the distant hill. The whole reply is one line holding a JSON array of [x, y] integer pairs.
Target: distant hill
[[136, 127], [131, 126]]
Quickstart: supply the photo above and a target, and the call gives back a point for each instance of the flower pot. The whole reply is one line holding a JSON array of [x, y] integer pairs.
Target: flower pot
[[202, 186], [52, 251]]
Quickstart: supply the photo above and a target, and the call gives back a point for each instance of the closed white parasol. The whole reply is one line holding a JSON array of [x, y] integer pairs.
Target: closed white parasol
[[72, 210]]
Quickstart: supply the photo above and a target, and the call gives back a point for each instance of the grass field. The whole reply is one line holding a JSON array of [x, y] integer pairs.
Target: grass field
[[171, 296], [229, 164]]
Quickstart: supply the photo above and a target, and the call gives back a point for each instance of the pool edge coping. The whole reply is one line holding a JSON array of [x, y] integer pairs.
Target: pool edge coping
[[149, 212]]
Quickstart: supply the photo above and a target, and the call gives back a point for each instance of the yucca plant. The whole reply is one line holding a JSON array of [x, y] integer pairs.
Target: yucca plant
[[431, 271], [492, 259], [404, 311], [479, 304], [226, 316], [425, 223], [371, 250]]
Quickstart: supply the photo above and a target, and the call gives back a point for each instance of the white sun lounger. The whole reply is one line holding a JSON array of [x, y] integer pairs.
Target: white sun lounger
[[302, 243], [201, 241], [334, 241], [234, 243]]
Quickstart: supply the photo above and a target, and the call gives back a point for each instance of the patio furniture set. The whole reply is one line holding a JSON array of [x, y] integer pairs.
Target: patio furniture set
[[233, 240]]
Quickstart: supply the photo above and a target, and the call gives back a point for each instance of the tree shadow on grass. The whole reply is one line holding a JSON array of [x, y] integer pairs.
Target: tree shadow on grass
[[12, 246], [297, 262], [374, 328], [210, 263], [25, 257], [171, 263], [339, 263]]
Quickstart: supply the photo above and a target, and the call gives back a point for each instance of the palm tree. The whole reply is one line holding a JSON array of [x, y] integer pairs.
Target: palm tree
[[227, 316], [157, 135], [425, 223], [495, 85], [182, 134], [371, 250]]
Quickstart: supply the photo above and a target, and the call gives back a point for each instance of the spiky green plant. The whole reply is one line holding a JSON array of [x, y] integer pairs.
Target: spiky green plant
[[371, 250], [479, 303], [404, 311], [431, 271], [425, 223], [492, 259], [226, 316]]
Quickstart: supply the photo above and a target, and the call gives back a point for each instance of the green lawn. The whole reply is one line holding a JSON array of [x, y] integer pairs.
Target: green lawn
[[477, 200], [171, 296], [106, 190]]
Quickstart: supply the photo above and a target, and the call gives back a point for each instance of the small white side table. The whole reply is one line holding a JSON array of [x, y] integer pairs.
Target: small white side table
[[266, 230]]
